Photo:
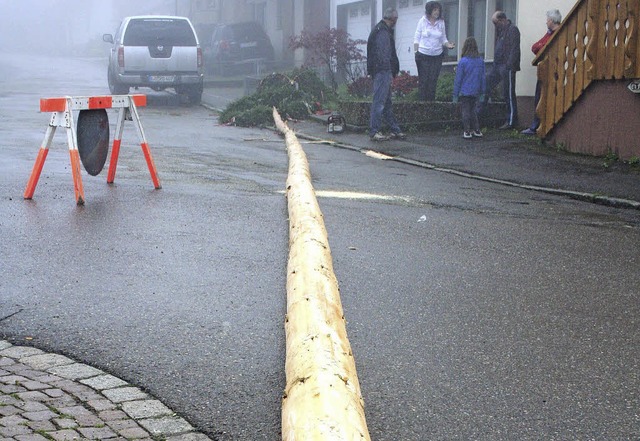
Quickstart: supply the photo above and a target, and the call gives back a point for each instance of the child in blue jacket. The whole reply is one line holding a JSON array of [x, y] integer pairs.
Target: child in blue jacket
[[469, 86]]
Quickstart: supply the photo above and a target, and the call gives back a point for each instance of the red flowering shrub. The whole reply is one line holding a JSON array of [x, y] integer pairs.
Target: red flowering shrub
[[404, 83]]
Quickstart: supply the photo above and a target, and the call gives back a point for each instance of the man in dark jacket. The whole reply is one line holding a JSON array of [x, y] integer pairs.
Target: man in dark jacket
[[506, 62], [383, 66]]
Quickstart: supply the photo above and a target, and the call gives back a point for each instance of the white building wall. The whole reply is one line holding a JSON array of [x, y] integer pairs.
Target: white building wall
[[532, 24]]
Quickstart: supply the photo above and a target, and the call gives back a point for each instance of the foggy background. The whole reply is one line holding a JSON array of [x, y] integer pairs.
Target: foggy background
[[70, 27]]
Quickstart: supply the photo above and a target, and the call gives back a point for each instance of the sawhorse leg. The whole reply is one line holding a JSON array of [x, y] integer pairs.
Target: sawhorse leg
[[115, 150], [75, 162], [37, 167], [58, 119], [113, 163]]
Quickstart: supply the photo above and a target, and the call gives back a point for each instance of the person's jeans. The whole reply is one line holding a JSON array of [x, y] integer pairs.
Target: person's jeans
[[381, 107], [499, 74], [469, 116], [428, 72]]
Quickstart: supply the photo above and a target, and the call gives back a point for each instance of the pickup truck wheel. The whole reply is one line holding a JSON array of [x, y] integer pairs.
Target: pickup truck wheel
[[114, 87], [194, 93], [195, 97]]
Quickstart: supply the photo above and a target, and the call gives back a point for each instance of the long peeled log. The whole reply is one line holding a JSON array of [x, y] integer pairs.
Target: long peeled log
[[322, 398]]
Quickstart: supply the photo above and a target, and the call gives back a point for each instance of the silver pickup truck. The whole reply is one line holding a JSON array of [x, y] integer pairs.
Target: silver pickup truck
[[158, 52]]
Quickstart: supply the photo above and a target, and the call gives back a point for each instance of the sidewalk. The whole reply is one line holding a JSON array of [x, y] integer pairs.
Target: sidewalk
[[505, 157], [51, 397]]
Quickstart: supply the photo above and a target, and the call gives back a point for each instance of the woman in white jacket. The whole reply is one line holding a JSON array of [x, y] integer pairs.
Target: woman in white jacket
[[428, 44]]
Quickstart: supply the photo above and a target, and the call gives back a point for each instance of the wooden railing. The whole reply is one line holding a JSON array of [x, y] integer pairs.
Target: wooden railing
[[598, 40]]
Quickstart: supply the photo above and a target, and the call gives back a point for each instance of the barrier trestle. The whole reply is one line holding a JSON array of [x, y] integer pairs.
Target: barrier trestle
[[62, 109]]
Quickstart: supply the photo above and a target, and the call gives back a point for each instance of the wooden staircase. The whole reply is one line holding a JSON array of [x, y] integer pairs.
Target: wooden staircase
[[598, 40]]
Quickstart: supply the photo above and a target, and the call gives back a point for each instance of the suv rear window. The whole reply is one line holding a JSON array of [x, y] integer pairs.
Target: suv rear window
[[248, 31], [154, 31]]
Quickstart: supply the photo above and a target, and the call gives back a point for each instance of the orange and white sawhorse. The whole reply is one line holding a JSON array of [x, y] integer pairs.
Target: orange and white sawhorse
[[62, 116]]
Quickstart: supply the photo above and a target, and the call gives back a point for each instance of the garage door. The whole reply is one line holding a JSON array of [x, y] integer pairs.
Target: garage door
[[409, 12], [359, 22]]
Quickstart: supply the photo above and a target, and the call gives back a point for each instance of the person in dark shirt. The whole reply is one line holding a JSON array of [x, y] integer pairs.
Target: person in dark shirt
[[383, 65], [506, 62]]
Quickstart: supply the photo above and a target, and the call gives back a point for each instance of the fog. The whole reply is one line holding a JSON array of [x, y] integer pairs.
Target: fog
[[69, 27]]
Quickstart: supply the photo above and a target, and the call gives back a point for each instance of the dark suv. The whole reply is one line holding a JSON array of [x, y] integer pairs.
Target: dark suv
[[237, 48], [157, 52]]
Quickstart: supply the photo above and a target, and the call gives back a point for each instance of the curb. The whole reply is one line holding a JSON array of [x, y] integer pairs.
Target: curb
[[581, 196], [45, 396]]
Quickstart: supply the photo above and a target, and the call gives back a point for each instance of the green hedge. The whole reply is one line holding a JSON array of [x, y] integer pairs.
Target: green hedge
[[418, 115]]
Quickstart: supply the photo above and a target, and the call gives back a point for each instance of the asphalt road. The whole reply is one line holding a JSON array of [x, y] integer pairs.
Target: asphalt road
[[475, 311]]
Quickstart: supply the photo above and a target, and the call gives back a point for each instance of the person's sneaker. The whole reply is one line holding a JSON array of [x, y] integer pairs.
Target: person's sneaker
[[528, 131], [505, 126], [477, 133], [398, 135], [379, 137], [467, 135]]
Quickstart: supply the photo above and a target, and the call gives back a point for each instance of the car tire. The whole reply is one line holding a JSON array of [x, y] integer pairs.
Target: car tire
[[195, 98], [192, 92], [114, 87]]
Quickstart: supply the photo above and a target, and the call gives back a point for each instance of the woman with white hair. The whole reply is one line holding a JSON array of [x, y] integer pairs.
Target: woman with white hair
[[554, 18]]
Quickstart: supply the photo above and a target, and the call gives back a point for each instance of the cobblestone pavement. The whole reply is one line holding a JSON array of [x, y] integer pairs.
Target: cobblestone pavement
[[47, 396]]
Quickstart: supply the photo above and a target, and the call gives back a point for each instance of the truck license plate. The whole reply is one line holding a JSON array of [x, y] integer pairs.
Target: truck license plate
[[161, 78]]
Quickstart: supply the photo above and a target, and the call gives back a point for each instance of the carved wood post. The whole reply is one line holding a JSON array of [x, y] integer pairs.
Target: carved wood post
[[593, 44]]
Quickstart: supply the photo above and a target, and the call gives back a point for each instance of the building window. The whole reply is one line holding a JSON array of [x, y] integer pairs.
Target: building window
[[509, 8], [388, 4], [365, 9], [353, 13], [403, 4], [450, 14], [259, 13], [417, 2], [279, 14], [477, 24]]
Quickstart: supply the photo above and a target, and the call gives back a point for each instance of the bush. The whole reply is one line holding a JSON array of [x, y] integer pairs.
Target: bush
[[273, 81], [361, 87], [274, 96], [259, 115], [236, 107], [294, 95], [330, 48], [293, 108], [444, 88], [403, 84], [309, 82], [414, 95]]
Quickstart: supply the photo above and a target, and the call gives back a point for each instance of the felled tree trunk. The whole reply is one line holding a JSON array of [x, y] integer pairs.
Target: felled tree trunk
[[322, 398]]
